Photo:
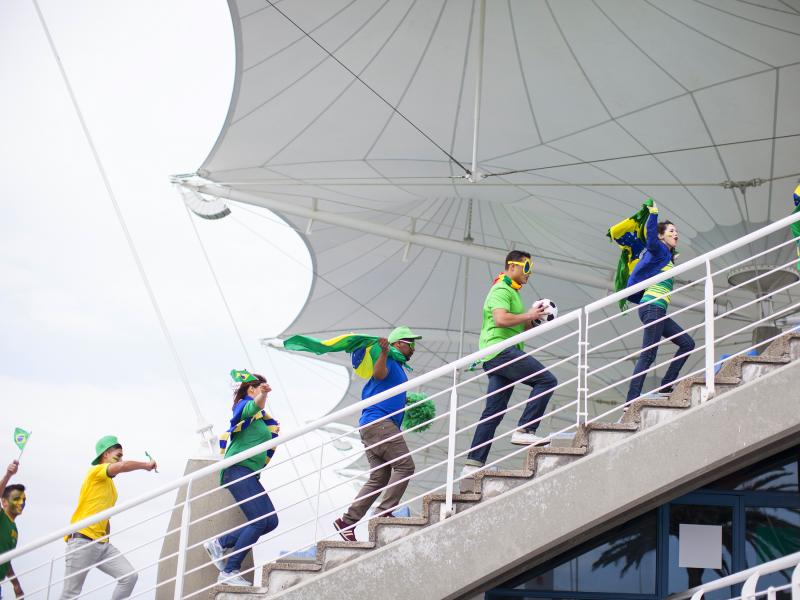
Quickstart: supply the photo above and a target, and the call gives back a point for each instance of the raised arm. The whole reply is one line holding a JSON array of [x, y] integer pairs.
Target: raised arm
[[261, 396], [11, 470], [379, 369], [652, 229]]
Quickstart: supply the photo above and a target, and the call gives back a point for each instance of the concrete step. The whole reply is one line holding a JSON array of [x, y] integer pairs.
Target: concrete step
[[598, 436], [281, 575], [433, 504], [329, 554], [385, 530]]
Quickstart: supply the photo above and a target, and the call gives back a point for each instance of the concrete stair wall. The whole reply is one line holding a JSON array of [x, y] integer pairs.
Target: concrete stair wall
[[683, 429]]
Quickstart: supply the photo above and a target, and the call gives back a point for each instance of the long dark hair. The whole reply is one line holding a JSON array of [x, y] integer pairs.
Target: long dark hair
[[241, 392]]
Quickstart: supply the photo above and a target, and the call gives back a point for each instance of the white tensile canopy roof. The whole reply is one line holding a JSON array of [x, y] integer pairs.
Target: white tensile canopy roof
[[355, 120]]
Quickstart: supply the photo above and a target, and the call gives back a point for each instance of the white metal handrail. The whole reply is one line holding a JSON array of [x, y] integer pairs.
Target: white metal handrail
[[750, 577], [586, 324]]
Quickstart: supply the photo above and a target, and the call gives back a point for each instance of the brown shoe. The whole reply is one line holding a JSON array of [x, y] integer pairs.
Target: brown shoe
[[346, 531]]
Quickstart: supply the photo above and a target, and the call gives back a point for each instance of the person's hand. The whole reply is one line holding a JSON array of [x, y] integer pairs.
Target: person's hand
[[151, 466], [536, 311], [383, 343], [264, 388], [12, 468]]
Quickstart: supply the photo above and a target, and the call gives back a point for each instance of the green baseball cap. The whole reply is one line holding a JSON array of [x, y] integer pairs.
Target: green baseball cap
[[103, 444], [402, 333]]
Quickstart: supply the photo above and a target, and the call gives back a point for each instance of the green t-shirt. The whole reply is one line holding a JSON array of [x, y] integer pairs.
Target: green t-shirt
[[256, 433], [501, 295], [8, 539]]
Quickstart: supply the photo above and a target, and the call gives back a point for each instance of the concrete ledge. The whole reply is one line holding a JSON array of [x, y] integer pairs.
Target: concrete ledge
[[506, 534]]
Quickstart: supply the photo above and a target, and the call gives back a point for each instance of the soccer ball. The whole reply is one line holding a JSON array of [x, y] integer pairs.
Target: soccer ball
[[551, 311]]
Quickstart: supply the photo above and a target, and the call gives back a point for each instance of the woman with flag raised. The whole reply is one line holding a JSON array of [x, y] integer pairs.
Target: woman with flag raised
[[251, 425], [658, 256]]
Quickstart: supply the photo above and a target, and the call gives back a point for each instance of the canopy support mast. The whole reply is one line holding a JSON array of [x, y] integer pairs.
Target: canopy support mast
[[474, 175]]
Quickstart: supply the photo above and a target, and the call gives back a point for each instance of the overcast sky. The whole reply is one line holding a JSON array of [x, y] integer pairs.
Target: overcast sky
[[82, 352]]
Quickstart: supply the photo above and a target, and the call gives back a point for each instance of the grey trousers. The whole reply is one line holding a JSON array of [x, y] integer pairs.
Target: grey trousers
[[383, 474], [83, 555]]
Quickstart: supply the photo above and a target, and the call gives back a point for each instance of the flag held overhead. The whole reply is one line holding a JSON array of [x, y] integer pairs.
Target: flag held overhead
[[242, 376], [629, 235], [21, 437]]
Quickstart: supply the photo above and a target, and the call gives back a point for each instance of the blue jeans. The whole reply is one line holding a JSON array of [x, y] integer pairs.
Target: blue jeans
[[248, 535], [652, 334], [520, 371]]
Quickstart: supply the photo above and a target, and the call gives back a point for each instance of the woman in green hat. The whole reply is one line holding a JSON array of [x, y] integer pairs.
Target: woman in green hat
[[250, 426]]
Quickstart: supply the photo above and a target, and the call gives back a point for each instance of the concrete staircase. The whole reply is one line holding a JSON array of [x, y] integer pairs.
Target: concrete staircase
[[555, 467]]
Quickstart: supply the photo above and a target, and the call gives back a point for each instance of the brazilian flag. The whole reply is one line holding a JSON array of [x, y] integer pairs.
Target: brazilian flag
[[630, 236], [242, 376], [364, 350], [796, 225]]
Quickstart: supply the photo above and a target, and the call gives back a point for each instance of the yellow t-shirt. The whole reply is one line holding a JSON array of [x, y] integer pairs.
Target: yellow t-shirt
[[98, 493]]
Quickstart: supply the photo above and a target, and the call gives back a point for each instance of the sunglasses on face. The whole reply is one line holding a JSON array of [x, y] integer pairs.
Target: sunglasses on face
[[526, 265], [409, 343]]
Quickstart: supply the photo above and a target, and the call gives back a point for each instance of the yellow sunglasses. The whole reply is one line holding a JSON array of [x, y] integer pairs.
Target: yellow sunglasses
[[527, 266]]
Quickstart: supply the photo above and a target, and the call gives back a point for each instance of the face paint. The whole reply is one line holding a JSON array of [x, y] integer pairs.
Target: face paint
[[15, 503]]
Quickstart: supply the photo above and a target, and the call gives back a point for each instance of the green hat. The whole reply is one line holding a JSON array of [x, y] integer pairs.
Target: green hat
[[103, 444], [402, 333]]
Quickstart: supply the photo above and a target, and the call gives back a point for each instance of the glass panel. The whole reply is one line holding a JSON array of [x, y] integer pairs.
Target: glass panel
[[621, 562], [781, 476], [771, 533], [683, 578]]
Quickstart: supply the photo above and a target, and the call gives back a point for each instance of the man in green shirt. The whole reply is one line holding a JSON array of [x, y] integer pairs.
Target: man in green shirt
[[13, 503], [505, 316]]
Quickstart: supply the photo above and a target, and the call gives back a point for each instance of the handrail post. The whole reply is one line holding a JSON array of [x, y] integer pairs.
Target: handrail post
[[749, 587], [447, 508], [49, 580], [319, 491], [796, 582], [582, 408], [183, 539], [709, 322]]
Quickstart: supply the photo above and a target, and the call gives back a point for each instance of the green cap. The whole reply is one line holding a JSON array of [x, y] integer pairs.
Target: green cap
[[402, 333], [103, 444]]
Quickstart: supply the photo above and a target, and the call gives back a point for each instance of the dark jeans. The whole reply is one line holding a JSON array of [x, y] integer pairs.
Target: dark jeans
[[652, 334], [248, 535], [519, 372]]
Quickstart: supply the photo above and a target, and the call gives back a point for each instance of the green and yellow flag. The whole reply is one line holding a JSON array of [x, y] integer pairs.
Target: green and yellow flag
[[629, 235], [21, 438], [242, 376], [364, 349]]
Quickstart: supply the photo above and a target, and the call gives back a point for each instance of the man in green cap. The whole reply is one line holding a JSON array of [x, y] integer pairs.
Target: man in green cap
[[380, 424], [90, 546]]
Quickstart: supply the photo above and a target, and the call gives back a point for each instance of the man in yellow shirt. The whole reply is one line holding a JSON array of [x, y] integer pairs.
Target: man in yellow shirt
[[90, 546]]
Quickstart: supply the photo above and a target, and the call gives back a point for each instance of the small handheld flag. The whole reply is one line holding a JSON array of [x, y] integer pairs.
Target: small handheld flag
[[21, 438], [242, 376], [150, 458]]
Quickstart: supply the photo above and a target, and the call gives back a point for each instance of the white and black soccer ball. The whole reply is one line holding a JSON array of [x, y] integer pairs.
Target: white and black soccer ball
[[550, 311]]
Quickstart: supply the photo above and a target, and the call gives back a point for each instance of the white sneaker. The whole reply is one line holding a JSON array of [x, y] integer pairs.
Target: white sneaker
[[232, 578], [215, 552], [523, 438], [470, 470]]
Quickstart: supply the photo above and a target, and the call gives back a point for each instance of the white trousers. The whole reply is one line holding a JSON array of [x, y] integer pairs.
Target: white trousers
[[83, 555]]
